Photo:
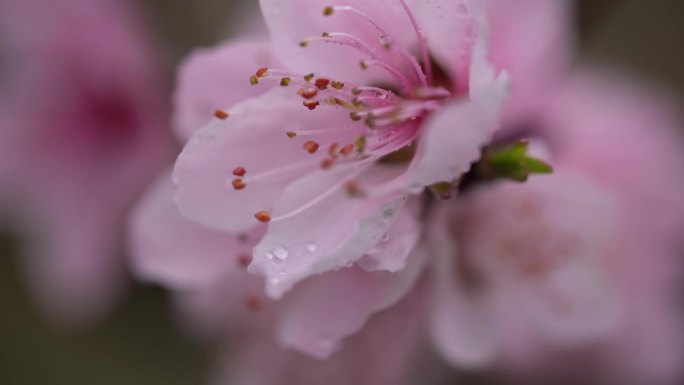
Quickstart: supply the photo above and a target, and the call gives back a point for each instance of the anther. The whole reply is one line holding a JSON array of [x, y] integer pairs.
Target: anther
[[291, 134], [261, 72], [239, 171], [311, 104], [304, 43], [311, 147], [244, 260], [263, 216], [360, 143], [308, 93], [253, 80], [308, 77], [337, 85], [327, 163], [353, 190], [347, 150], [363, 64], [333, 149], [220, 114], [239, 184], [284, 82], [356, 91], [325, 35], [327, 11], [354, 116], [322, 83]]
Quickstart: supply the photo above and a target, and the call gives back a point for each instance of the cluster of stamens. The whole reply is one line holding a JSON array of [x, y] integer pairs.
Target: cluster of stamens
[[381, 110]]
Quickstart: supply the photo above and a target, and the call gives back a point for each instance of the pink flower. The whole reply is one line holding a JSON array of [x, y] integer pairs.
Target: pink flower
[[584, 261], [311, 154], [83, 129], [342, 242]]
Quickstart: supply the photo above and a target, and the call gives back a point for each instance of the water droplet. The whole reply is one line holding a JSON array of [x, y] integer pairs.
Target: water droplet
[[311, 247], [386, 41], [281, 253]]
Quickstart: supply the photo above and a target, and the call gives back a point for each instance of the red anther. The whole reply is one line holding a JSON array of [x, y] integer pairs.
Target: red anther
[[333, 149], [347, 150], [352, 189], [220, 114], [261, 72], [322, 83], [239, 171], [239, 184], [327, 163], [263, 216], [244, 260], [308, 93], [311, 147], [311, 104], [253, 303]]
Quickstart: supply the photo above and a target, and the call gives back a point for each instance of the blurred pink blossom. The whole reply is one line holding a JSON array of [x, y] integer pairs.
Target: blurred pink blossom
[[83, 128], [578, 269]]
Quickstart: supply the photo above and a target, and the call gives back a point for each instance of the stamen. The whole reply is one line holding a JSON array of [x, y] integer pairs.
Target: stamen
[[239, 184], [422, 42], [253, 80], [284, 82], [347, 150], [337, 85], [244, 260], [263, 216], [239, 171], [311, 104], [261, 72], [311, 146], [308, 93], [220, 114], [308, 77], [327, 163], [322, 83], [291, 134]]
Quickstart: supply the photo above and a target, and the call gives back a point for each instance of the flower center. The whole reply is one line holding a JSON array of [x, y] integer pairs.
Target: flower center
[[392, 114]]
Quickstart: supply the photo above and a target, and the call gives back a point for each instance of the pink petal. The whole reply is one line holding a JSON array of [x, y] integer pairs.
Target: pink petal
[[167, 249], [291, 22], [463, 324], [333, 231], [253, 137], [546, 246], [218, 78], [385, 352], [533, 40], [451, 28], [398, 243], [322, 311], [452, 138]]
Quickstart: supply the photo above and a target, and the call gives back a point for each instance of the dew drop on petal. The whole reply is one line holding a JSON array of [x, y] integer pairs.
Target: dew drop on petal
[[281, 253], [311, 247]]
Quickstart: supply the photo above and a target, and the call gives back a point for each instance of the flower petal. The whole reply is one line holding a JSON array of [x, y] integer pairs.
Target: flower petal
[[452, 138], [334, 230], [396, 245], [253, 137], [218, 78], [462, 323], [168, 249], [291, 22], [322, 311]]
